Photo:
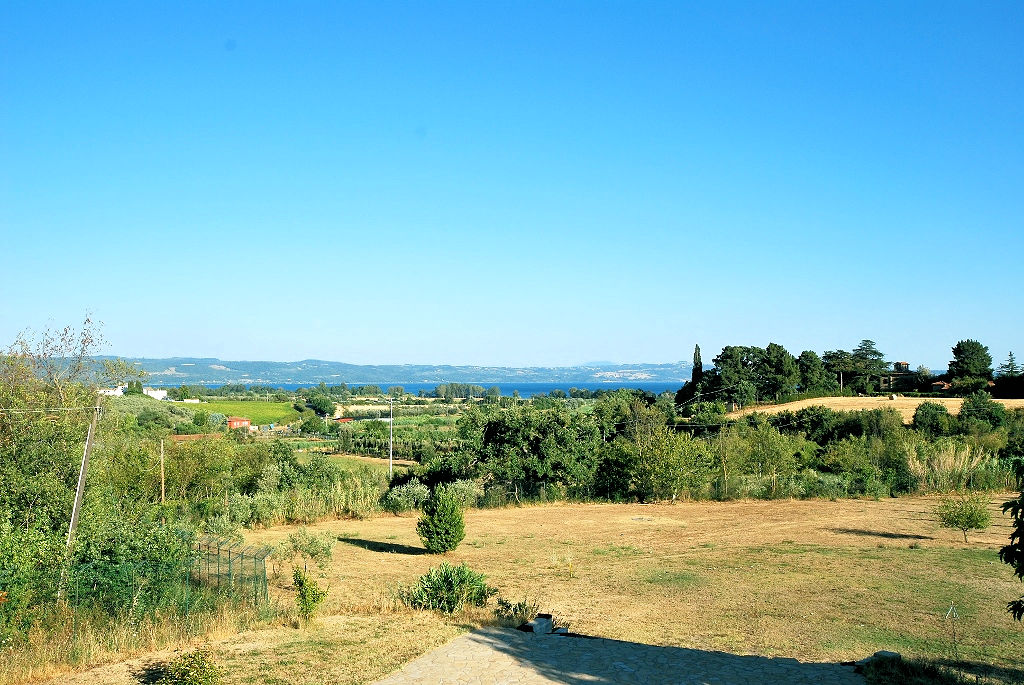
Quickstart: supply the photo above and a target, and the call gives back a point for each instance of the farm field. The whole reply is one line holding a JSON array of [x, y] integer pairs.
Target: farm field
[[350, 462], [260, 413], [906, 406], [813, 580]]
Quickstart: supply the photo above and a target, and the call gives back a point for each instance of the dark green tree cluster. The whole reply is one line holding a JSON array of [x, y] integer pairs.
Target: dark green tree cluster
[[627, 446], [322, 403], [1009, 380], [971, 367], [743, 375], [858, 370], [451, 391]]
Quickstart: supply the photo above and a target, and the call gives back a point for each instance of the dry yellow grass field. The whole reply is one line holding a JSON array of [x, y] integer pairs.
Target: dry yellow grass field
[[906, 406], [814, 580]]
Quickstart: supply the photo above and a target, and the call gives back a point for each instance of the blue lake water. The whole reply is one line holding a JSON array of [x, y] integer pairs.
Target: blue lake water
[[508, 389]]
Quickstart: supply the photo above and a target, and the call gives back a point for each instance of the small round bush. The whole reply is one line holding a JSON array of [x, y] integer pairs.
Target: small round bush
[[441, 527], [192, 668]]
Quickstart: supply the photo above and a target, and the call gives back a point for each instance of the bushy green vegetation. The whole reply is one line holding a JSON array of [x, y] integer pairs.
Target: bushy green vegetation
[[515, 614], [406, 497], [628, 447], [448, 589], [441, 527], [308, 594], [131, 559], [197, 667]]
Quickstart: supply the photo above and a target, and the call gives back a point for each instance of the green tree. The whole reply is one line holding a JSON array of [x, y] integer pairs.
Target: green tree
[[770, 454], [308, 594], [869, 363], [698, 367], [698, 385], [1009, 368], [840, 364], [778, 372], [441, 527], [979, 406], [1010, 380], [970, 360], [965, 512], [737, 368], [322, 404], [922, 377], [314, 425], [814, 378], [932, 419], [707, 413]]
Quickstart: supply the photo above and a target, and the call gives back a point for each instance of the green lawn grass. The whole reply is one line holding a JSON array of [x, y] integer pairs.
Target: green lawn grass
[[260, 413]]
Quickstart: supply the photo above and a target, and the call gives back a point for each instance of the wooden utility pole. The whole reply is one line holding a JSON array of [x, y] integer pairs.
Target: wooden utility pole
[[161, 470], [80, 492]]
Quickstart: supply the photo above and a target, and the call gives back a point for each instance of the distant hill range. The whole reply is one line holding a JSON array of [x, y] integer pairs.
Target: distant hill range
[[207, 371]]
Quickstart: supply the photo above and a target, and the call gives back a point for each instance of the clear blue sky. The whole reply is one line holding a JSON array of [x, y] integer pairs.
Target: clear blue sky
[[524, 183]]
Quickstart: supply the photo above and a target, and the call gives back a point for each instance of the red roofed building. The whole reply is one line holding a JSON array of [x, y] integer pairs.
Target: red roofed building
[[238, 422]]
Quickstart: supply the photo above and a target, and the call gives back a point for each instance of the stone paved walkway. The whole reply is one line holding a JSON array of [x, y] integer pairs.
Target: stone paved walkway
[[496, 656]]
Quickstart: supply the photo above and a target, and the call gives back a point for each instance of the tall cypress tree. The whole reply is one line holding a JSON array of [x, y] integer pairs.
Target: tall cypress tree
[[698, 367], [689, 391]]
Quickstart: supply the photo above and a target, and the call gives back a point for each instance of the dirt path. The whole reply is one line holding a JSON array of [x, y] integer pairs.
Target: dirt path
[[497, 655]]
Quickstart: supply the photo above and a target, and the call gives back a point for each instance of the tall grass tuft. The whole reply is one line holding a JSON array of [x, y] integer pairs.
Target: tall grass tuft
[[68, 638], [949, 464]]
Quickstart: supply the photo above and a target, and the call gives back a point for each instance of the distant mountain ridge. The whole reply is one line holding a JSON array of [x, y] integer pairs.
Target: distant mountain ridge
[[212, 371]]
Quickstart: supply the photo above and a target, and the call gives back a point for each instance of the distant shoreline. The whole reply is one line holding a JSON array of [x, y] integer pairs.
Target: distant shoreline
[[507, 389]]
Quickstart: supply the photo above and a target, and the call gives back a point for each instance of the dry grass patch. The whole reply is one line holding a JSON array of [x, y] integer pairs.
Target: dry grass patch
[[335, 649], [906, 406], [813, 580]]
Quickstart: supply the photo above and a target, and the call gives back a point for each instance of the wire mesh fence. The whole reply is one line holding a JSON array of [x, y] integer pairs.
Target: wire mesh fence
[[218, 568], [224, 563]]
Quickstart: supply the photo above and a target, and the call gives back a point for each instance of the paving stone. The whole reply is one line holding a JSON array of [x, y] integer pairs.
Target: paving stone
[[498, 656]]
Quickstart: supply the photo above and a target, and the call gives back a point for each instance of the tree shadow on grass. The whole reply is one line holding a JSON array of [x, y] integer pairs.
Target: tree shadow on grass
[[150, 672], [973, 669], [386, 547], [578, 660], [880, 534]]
